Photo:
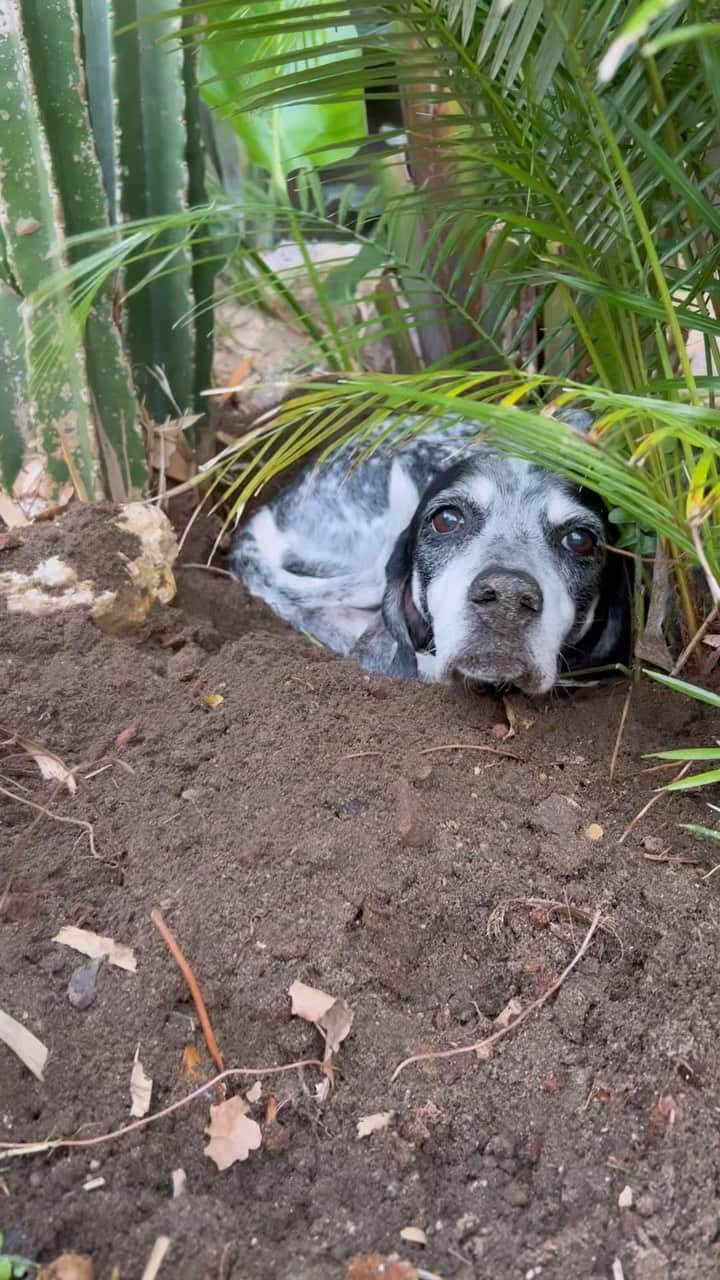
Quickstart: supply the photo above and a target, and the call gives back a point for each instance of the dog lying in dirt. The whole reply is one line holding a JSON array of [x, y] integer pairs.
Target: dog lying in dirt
[[440, 559]]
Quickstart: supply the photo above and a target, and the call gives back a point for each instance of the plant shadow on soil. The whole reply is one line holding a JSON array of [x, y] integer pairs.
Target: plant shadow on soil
[[296, 830]]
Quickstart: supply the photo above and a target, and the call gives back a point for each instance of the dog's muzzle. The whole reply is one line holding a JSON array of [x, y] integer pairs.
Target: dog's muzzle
[[503, 606]]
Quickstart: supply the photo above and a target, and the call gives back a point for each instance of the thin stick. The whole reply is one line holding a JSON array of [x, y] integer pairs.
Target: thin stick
[[620, 732], [480, 1045], [357, 755], [56, 817], [653, 800], [208, 568], [712, 581], [9, 1149], [157, 1257], [693, 644], [191, 981], [472, 746]]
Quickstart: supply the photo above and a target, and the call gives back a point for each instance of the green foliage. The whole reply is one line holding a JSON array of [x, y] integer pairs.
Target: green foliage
[[290, 135], [13, 1267], [559, 234], [690, 754]]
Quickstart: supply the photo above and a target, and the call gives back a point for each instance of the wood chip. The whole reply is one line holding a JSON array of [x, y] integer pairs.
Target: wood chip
[[32, 1052], [97, 947], [415, 1235], [140, 1087]]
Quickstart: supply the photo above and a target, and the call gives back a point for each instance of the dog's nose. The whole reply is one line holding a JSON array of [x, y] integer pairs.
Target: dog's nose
[[510, 595]]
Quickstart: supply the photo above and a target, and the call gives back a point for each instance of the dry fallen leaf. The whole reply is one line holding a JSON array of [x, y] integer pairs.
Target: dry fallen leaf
[[50, 765], [69, 1266], [212, 700], [308, 1002], [31, 1051], [192, 1068], [97, 947], [254, 1093], [125, 736], [233, 1135], [376, 1267], [140, 1087], [665, 1112], [335, 1024], [511, 1011], [372, 1124]]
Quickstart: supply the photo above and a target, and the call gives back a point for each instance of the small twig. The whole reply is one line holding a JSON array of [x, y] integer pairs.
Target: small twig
[[56, 817], [9, 1149], [472, 746], [693, 644], [209, 568], [480, 1046], [357, 755], [620, 732], [653, 800], [191, 981], [157, 1257]]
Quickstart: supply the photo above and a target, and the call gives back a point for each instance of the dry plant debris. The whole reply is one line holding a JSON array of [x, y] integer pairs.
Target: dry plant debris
[[376, 1267], [51, 767], [32, 1052], [140, 1087], [69, 1266], [374, 1123], [483, 1048], [544, 911], [157, 1257], [191, 980], [233, 1134], [333, 1017], [97, 947]]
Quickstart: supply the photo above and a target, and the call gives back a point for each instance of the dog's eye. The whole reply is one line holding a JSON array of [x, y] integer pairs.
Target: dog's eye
[[581, 541], [447, 520]]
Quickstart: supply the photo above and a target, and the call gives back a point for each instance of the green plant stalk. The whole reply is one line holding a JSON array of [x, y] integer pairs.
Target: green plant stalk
[[30, 227], [14, 395], [152, 121], [53, 40]]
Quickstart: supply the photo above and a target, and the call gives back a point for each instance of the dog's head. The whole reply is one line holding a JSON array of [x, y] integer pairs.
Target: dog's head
[[503, 577]]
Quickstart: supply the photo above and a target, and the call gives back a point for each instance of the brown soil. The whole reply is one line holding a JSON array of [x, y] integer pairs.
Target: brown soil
[[296, 830]]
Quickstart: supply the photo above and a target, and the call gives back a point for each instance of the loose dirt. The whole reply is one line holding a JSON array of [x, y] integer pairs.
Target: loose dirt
[[306, 827]]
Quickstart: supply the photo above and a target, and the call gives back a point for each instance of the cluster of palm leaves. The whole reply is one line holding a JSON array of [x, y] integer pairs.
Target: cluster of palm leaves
[[543, 227]]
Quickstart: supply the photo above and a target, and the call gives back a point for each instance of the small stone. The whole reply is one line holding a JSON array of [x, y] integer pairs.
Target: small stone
[[410, 820], [625, 1198], [594, 831], [82, 987], [518, 1196], [646, 1205], [555, 815]]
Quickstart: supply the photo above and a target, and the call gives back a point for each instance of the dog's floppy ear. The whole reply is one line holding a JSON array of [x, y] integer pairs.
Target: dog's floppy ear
[[406, 626]]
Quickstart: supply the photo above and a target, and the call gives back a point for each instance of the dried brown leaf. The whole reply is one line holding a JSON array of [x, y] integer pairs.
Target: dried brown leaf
[[335, 1025], [52, 768], [376, 1267], [233, 1135], [192, 1068], [511, 1011], [69, 1266]]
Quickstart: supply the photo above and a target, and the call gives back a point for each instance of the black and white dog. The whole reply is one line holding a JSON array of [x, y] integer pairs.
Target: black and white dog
[[442, 558]]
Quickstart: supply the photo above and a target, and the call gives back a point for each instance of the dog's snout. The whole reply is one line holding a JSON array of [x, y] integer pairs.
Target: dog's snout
[[511, 594]]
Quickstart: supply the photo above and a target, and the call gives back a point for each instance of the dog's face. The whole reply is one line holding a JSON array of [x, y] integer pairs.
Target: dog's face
[[502, 577]]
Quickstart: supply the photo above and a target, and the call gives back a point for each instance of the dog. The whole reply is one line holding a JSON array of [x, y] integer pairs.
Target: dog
[[442, 559]]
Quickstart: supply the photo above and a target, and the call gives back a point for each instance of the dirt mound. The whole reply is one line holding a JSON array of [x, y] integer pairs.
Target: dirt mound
[[321, 824]]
